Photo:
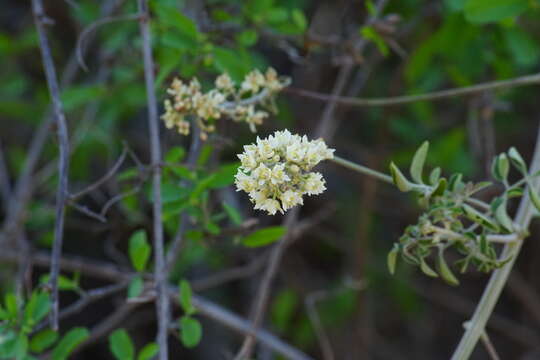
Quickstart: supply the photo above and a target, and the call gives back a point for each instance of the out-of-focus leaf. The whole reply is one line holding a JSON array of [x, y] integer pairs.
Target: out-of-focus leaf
[[232, 213], [184, 297], [139, 250], [485, 11], [190, 331], [121, 345], [224, 176], [76, 96], [37, 307], [43, 340], [135, 288], [148, 352], [247, 38], [264, 237], [522, 47], [69, 342]]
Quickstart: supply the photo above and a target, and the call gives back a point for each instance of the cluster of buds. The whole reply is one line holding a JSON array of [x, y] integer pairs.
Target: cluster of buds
[[240, 103], [276, 171]]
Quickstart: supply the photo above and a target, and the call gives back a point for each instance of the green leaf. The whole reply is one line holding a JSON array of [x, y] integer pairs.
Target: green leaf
[[184, 296], [171, 16], [535, 198], [148, 352], [37, 307], [399, 179], [139, 250], [299, 19], [434, 176], [502, 217], [427, 270], [226, 61], [264, 237], [283, 310], [455, 182], [440, 188], [522, 47], [69, 342], [13, 346], [455, 5], [392, 259], [478, 217], [190, 331], [417, 165], [76, 96], [247, 38], [64, 283], [12, 308], [277, 15], [500, 167], [175, 154], [232, 213], [135, 288], [485, 11], [445, 271], [224, 176], [121, 345], [517, 160], [369, 33], [43, 340]]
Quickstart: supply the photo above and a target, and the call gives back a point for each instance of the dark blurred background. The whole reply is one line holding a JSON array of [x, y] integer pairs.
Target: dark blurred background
[[334, 273]]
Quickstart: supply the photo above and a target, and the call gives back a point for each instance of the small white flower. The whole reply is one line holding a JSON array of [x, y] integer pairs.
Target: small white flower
[[314, 184], [269, 205], [278, 175], [276, 171], [290, 199], [224, 82], [253, 81]]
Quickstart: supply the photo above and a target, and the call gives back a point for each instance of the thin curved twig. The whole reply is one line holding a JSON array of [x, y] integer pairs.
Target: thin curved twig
[[401, 100], [113, 170], [79, 48]]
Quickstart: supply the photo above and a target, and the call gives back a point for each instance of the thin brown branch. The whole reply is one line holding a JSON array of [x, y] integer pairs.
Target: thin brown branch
[[112, 171], [88, 298], [490, 348], [160, 273], [41, 20], [437, 95]]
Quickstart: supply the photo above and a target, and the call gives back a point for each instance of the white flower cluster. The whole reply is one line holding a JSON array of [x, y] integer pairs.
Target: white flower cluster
[[237, 102], [276, 171]]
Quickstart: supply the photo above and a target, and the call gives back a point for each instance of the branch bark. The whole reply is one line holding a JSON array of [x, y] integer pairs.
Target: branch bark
[[41, 20], [162, 299]]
